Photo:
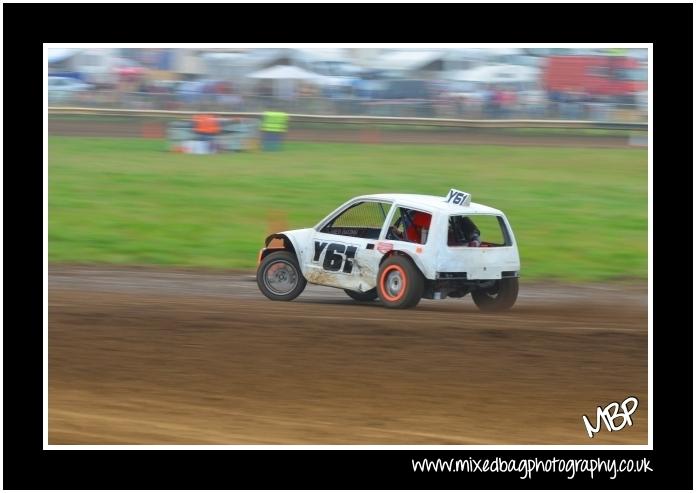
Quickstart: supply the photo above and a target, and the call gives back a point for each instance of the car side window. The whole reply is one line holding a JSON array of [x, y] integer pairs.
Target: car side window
[[361, 220], [477, 230], [409, 225]]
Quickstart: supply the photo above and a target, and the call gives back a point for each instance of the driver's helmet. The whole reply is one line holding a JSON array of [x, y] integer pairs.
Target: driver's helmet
[[418, 223]]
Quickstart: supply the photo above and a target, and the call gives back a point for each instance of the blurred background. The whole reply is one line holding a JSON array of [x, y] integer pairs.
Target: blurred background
[[594, 84], [557, 138]]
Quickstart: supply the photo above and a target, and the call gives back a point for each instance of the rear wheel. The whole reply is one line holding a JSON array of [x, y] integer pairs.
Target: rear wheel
[[499, 297], [370, 295], [279, 277], [399, 283]]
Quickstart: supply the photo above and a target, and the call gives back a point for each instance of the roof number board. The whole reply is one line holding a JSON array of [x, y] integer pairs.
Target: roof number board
[[458, 197]]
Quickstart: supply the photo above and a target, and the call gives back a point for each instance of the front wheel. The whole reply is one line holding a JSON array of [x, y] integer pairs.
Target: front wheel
[[399, 283], [500, 297], [370, 295], [279, 277]]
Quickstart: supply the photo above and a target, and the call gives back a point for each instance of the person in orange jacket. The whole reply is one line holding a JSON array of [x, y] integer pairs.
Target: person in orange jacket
[[206, 127]]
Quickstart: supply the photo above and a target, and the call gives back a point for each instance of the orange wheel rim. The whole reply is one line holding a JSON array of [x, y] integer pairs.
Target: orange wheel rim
[[393, 283]]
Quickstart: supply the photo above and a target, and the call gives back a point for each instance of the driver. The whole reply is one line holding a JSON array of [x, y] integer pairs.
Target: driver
[[417, 227], [471, 232], [463, 232]]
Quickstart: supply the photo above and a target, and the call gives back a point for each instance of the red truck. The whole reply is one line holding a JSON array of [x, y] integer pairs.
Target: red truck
[[613, 76]]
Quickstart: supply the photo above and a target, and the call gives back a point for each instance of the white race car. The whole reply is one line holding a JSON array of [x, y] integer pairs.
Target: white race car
[[399, 248]]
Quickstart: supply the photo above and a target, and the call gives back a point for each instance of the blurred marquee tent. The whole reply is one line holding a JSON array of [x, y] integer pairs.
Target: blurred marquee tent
[[407, 60], [285, 78], [434, 63], [334, 54]]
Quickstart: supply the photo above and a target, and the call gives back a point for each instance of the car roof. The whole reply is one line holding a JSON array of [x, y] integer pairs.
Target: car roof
[[431, 203]]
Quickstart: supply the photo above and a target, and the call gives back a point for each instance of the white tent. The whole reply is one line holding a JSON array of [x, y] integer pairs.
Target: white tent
[[285, 78], [285, 72], [407, 60], [503, 51], [332, 54]]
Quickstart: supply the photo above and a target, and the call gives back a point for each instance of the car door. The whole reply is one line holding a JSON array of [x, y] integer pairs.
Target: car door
[[343, 252]]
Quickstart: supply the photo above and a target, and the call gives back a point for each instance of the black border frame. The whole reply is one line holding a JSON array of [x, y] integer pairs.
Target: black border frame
[[27, 26]]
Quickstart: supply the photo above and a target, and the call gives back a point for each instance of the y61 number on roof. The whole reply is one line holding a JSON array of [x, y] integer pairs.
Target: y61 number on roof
[[458, 197]]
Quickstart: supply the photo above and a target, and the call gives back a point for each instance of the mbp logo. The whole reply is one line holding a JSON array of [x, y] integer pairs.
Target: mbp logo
[[610, 414]]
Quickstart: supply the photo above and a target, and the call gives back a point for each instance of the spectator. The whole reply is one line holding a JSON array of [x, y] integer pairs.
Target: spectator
[[498, 102], [273, 129], [206, 128], [490, 101], [508, 101]]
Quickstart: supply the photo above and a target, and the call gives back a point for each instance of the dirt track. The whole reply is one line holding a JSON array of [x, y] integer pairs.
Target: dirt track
[[142, 356]]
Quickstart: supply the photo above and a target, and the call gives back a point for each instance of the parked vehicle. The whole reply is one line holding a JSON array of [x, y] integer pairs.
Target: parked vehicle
[[64, 89], [616, 77], [405, 89]]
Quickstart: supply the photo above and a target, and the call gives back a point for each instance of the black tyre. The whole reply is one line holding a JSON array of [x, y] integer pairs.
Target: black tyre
[[500, 297], [370, 295], [399, 283], [279, 277]]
